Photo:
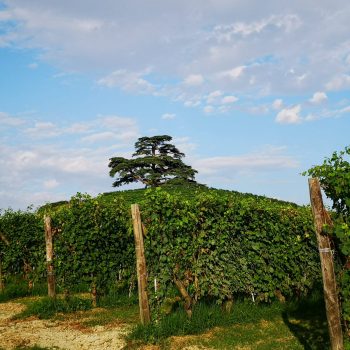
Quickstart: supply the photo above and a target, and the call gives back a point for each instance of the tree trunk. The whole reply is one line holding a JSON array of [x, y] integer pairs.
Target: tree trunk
[[321, 218], [188, 300]]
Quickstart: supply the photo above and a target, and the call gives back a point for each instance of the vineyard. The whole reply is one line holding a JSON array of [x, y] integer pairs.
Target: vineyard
[[200, 245], [217, 244]]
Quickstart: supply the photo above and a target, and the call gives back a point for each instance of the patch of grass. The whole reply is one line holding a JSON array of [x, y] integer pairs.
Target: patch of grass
[[294, 325], [18, 288], [205, 316], [116, 298], [125, 314], [47, 307], [117, 307], [263, 335], [14, 291]]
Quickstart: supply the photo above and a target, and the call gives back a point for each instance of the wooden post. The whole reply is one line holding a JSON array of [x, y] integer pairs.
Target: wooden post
[[94, 293], [5, 240], [140, 265], [49, 258], [321, 218], [1, 278]]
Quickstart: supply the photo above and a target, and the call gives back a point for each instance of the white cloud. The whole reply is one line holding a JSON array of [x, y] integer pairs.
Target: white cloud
[[44, 130], [168, 116], [277, 104], [129, 81], [194, 80], [192, 103], [6, 119], [50, 184], [338, 82], [208, 109], [33, 65], [213, 96], [234, 73], [345, 110], [318, 97], [289, 115], [116, 122], [311, 117], [241, 52], [271, 158], [229, 99], [78, 128], [65, 166], [288, 22], [100, 136]]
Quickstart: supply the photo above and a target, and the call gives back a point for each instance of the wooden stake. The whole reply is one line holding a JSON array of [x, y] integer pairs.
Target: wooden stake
[[94, 294], [1, 278], [49, 258], [5, 240], [321, 218], [140, 265]]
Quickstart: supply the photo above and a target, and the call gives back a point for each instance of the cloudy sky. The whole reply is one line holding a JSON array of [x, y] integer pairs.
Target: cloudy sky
[[252, 92]]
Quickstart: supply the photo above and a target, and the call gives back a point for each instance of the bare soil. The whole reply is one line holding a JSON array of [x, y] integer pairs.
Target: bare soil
[[56, 334]]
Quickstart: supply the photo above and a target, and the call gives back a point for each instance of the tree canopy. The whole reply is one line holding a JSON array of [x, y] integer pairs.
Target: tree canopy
[[155, 162]]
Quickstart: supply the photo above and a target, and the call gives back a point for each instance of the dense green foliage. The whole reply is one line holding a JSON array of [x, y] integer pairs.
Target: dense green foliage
[[94, 243], [334, 176], [218, 244], [22, 248], [154, 163]]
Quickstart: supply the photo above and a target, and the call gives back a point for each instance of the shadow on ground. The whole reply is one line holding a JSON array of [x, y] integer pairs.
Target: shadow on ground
[[307, 321]]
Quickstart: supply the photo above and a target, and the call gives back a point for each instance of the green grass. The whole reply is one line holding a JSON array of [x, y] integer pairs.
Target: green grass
[[121, 314], [117, 298], [47, 307], [18, 288], [117, 307], [294, 325]]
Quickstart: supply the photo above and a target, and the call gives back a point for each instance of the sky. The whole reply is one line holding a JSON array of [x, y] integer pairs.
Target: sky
[[253, 92]]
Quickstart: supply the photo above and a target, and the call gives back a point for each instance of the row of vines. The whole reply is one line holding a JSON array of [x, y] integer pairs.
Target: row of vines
[[214, 246]]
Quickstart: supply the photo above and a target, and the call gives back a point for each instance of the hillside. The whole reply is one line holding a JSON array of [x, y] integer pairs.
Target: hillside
[[184, 191]]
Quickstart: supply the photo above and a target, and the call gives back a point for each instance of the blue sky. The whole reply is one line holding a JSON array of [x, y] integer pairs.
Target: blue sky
[[252, 92]]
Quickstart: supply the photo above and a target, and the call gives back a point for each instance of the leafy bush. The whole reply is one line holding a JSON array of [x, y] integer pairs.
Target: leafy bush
[[94, 243], [22, 247], [218, 246]]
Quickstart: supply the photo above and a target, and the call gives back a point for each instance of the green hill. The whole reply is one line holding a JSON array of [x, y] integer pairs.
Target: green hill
[[187, 191]]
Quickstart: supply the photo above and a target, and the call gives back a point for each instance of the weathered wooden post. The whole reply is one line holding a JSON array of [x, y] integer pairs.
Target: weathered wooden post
[[140, 265], [1, 278], [49, 258], [5, 240], [321, 218]]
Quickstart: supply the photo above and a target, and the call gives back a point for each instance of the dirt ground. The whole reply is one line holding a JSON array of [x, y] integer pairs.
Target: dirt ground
[[68, 335]]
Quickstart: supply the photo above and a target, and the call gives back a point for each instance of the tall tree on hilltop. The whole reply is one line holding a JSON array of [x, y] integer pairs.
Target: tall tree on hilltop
[[154, 163]]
